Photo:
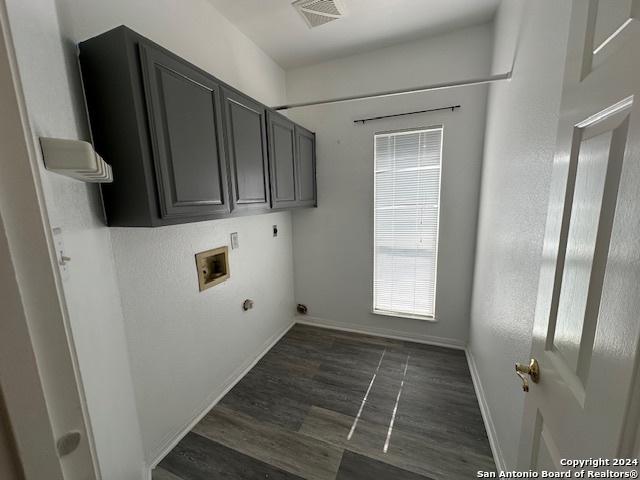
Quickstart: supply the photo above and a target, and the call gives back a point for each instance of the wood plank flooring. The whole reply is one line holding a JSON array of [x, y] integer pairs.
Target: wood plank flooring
[[330, 405]]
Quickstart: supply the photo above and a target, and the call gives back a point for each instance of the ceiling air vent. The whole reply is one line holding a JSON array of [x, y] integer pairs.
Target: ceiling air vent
[[319, 12]]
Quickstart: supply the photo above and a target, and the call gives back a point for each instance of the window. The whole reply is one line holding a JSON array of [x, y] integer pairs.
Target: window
[[406, 213]]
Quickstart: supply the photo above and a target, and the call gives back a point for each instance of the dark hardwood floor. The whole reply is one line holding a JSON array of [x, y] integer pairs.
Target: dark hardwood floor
[[325, 405]]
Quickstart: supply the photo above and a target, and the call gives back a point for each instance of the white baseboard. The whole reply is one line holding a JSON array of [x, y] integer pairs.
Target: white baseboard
[[381, 332], [498, 457], [231, 381]]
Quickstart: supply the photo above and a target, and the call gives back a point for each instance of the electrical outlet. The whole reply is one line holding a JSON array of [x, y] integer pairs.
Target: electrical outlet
[[275, 230]]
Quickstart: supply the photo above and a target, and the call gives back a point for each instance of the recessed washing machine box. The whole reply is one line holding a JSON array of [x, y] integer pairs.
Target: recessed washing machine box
[[213, 267]]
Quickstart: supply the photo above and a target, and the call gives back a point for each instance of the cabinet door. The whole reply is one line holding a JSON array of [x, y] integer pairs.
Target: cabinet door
[[306, 167], [282, 160], [246, 144], [184, 109]]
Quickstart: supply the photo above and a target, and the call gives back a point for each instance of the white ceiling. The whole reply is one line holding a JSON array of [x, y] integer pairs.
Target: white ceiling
[[277, 28]]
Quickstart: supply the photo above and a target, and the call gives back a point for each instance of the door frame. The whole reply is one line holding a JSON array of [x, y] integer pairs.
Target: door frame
[[39, 372], [10, 467]]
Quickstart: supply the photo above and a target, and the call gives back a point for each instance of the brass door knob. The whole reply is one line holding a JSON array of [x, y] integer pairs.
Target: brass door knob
[[533, 370]]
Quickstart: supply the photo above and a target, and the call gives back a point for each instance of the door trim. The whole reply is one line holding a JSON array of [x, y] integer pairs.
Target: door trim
[[37, 398]]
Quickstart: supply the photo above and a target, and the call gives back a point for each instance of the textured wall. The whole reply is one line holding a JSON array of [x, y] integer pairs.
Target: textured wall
[[152, 350], [186, 346], [520, 137], [333, 244], [52, 95]]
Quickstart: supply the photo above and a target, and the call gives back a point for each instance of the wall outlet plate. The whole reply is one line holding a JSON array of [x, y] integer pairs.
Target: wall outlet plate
[[275, 230], [235, 243]]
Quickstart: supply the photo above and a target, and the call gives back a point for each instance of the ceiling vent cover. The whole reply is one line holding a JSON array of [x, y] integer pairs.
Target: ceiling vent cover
[[319, 12]]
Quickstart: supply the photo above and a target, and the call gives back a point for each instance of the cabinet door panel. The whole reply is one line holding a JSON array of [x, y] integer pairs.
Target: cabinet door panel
[[247, 148], [184, 114], [282, 156], [306, 149]]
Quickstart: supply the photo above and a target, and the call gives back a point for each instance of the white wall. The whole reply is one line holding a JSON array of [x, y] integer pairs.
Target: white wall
[[520, 138], [333, 243], [186, 346], [193, 29], [153, 351], [91, 291]]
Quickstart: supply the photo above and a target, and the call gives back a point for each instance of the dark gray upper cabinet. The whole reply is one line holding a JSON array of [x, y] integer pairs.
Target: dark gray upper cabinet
[[246, 143], [183, 145], [184, 109], [306, 167], [282, 158], [292, 157]]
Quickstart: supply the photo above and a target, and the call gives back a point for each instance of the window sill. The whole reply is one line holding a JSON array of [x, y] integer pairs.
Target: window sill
[[386, 313]]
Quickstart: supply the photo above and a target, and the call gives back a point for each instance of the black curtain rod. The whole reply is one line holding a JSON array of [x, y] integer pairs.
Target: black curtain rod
[[364, 120]]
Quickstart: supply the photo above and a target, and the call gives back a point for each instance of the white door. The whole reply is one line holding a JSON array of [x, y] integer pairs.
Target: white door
[[587, 320]]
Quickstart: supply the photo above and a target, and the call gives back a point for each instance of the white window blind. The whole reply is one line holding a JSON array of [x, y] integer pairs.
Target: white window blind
[[406, 211]]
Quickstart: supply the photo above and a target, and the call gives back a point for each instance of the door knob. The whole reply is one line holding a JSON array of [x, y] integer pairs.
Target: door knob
[[533, 370]]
